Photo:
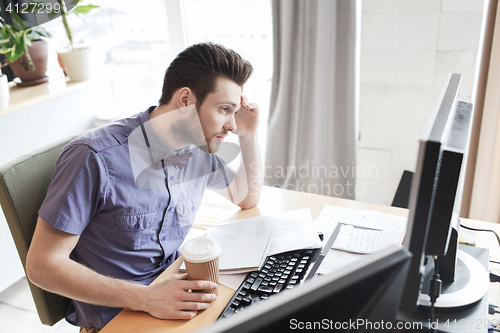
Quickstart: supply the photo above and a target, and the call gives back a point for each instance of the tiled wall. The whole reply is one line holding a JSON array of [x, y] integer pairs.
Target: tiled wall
[[407, 49]]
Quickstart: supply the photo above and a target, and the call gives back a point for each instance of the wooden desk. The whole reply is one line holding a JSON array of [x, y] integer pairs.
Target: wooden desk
[[272, 201]]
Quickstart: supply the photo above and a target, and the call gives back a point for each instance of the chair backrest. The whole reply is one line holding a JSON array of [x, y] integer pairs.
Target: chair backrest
[[23, 186]]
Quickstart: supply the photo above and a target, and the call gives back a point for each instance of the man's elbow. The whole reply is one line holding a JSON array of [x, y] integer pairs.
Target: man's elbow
[[249, 203], [34, 270]]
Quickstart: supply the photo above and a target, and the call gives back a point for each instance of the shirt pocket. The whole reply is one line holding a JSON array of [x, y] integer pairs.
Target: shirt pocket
[[186, 212], [131, 229]]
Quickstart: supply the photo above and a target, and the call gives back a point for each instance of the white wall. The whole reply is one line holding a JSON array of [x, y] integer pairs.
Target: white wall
[[35, 123], [407, 49]]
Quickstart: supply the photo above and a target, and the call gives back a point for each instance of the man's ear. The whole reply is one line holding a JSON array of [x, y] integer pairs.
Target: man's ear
[[185, 97]]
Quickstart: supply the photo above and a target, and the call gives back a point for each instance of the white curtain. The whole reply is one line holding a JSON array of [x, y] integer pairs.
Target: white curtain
[[481, 199], [312, 132]]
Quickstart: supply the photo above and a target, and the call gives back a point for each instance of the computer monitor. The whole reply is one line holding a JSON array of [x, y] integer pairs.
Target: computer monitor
[[433, 223], [362, 297]]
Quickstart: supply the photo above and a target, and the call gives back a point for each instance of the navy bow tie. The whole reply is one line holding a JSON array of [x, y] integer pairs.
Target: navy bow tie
[[178, 160]]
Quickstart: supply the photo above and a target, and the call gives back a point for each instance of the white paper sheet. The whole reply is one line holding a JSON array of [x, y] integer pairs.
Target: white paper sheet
[[329, 217], [361, 240], [289, 231]]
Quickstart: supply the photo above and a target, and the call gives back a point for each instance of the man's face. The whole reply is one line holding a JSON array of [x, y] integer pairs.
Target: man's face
[[217, 112]]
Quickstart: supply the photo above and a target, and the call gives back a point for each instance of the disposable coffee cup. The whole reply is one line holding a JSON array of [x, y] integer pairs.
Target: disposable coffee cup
[[201, 256]]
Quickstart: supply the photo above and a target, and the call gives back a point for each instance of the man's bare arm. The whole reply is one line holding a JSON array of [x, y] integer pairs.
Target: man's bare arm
[[246, 186], [49, 266]]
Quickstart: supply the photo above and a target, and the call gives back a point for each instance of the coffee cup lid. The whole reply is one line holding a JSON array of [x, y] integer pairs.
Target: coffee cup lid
[[200, 249]]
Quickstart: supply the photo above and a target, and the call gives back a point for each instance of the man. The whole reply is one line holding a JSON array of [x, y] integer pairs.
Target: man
[[124, 196]]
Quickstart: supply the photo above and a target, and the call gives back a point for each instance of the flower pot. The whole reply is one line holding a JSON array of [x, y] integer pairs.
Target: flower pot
[[38, 51], [4, 91], [76, 64]]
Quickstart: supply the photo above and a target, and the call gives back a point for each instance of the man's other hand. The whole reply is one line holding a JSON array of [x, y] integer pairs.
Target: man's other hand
[[173, 299]]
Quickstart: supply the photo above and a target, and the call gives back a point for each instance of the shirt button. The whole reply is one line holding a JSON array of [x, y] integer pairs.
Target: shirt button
[[170, 209], [164, 238], [192, 209], [125, 133], [136, 226], [171, 177]]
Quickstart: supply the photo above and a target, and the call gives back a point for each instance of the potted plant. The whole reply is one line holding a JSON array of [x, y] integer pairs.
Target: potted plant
[[25, 50], [75, 61]]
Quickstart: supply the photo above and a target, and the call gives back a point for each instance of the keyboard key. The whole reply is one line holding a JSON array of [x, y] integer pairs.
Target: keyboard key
[[282, 281], [247, 300], [229, 312], [246, 285], [251, 280], [254, 274], [278, 288], [266, 289], [256, 284]]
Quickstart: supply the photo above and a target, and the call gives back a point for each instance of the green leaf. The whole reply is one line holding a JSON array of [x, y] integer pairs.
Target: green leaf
[[18, 20], [27, 38], [76, 2], [84, 9], [19, 48]]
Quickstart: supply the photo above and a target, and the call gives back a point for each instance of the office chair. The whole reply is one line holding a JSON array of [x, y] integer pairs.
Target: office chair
[[23, 186], [402, 196]]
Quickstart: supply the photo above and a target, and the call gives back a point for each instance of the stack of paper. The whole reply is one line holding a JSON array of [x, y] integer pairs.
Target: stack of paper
[[362, 231], [245, 243], [363, 240]]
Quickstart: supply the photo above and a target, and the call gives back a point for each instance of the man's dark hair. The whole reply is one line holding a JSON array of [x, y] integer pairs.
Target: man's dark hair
[[199, 66]]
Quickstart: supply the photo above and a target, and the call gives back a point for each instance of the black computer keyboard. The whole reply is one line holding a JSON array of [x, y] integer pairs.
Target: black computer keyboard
[[279, 273]]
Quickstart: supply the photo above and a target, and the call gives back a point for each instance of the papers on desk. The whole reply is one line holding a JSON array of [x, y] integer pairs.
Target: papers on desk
[[362, 231], [245, 243], [363, 240]]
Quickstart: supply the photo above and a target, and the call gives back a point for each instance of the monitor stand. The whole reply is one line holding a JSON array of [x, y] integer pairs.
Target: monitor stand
[[470, 285], [466, 318]]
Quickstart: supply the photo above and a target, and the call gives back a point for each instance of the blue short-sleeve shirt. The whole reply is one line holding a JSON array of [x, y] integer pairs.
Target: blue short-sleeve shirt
[[131, 220]]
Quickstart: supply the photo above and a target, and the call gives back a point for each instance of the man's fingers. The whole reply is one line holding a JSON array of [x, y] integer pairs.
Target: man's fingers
[[199, 285], [183, 315], [179, 277], [195, 306], [200, 297]]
